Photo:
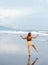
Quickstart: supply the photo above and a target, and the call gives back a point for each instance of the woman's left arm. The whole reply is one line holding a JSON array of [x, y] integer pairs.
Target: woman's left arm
[[22, 37]]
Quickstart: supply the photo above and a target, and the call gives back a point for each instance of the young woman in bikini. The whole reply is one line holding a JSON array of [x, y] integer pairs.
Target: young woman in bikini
[[29, 38]]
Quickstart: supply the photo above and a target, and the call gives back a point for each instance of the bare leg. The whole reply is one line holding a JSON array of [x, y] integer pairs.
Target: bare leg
[[29, 50], [28, 60], [34, 48]]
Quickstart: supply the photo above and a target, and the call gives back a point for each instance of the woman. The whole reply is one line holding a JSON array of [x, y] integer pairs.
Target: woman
[[29, 38]]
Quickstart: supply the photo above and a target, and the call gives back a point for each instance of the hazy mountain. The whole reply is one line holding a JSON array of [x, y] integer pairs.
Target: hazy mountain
[[5, 28]]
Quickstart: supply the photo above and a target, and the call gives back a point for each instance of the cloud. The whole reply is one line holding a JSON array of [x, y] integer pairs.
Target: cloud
[[14, 13], [8, 13], [4, 13], [12, 16], [40, 1]]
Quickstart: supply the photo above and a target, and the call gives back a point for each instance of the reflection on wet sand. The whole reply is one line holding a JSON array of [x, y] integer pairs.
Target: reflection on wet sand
[[33, 63]]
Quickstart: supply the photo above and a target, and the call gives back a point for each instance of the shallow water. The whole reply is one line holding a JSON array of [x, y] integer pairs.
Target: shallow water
[[13, 51]]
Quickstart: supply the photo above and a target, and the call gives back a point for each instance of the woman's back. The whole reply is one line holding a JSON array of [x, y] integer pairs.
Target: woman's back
[[29, 38]]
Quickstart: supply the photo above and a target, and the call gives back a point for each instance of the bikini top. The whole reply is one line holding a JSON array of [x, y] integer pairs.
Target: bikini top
[[29, 38]]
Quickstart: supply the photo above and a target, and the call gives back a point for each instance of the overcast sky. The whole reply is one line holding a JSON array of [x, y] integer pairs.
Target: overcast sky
[[24, 14]]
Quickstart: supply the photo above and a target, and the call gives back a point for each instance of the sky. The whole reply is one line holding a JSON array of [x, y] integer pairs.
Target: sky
[[24, 14]]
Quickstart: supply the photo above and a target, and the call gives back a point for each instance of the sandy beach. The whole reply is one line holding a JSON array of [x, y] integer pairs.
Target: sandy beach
[[13, 50]]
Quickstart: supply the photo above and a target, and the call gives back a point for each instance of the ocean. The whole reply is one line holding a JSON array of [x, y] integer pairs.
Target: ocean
[[13, 49]]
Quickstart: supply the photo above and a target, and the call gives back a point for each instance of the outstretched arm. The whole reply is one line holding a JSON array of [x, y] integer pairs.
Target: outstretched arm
[[35, 36], [22, 37]]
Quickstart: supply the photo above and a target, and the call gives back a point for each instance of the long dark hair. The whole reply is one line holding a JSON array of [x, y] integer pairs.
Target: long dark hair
[[29, 34]]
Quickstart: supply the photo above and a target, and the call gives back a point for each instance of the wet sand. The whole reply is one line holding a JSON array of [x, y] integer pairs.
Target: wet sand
[[13, 51]]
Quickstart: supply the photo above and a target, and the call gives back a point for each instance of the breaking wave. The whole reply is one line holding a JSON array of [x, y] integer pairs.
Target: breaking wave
[[44, 33]]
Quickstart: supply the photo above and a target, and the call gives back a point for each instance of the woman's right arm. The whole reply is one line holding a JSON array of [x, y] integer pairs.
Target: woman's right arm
[[35, 36]]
